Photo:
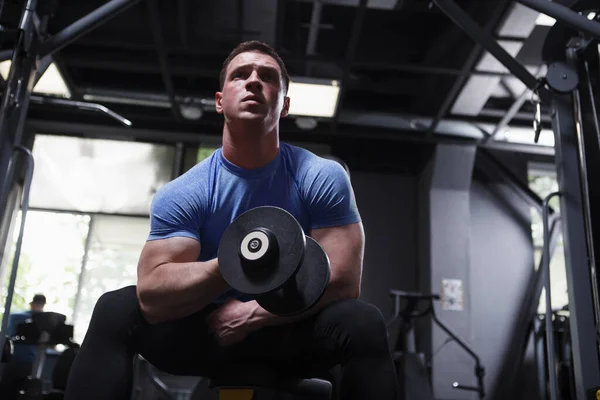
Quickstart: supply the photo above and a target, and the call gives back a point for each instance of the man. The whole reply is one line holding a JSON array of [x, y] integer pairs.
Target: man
[[183, 318], [20, 364]]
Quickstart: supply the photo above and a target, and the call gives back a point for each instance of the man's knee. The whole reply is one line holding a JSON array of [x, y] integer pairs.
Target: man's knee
[[362, 322], [115, 307]]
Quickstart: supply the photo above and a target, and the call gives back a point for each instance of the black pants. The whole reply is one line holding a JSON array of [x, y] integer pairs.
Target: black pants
[[348, 333]]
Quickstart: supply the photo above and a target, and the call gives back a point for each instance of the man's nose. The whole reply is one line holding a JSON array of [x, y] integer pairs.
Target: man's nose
[[253, 81]]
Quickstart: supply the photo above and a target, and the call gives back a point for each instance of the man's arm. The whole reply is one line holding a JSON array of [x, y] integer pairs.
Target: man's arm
[[344, 246], [171, 283]]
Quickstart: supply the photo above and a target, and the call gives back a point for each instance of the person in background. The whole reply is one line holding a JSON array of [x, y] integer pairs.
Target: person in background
[[19, 367]]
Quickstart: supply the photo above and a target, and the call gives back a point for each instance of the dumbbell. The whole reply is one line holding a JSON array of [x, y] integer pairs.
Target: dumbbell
[[265, 253]]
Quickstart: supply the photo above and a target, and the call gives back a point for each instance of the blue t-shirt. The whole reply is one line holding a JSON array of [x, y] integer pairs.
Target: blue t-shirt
[[203, 202]]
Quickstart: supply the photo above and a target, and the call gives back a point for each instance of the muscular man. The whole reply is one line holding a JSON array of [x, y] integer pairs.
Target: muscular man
[[183, 318]]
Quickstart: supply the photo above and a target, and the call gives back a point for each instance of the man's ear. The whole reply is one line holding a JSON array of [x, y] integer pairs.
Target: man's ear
[[286, 107], [218, 101]]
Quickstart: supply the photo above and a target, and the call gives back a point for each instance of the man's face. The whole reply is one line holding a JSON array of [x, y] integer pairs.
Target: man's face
[[253, 90]]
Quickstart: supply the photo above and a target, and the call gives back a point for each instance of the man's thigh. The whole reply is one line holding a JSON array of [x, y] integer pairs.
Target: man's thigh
[[186, 347], [179, 347], [294, 348]]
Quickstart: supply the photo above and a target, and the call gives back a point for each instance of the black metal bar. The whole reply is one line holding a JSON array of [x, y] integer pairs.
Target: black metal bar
[[582, 121], [421, 69], [64, 72], [592, 99], [84, 25], [581, 304], [313, 33], [494, 167], [83, 269], [15, 96], [463, 20], [142, 65], [510, 114], [81, 106], [313, 30], [43, 66], [479, 35], [359, 18], [162, 55], [498, 113], [182, 20], [240, 20], [6, 55], [24, 208], [459, 83], [553, 385], [178, 160], [143, 132], [95, 213], [526, 319], [280, 24], [565, 15], [540, 359], [479, 370]]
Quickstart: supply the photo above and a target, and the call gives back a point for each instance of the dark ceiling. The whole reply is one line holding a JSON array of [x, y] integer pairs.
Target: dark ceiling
[[404, 66]]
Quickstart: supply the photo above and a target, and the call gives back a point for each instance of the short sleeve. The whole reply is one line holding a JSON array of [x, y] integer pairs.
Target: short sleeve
[[176, 212], [330, 195]]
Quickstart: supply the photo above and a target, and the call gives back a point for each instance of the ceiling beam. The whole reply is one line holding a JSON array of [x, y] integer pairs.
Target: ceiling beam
[[197, 136], [182, 22], [356, 31], [159, 42], [497, 14]]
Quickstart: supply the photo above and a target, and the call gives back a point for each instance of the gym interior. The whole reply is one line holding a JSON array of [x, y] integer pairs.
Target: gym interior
[[469, 129]]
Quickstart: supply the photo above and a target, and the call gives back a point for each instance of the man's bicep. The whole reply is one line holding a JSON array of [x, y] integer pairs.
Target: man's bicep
[[331, 197], [344, 246], [164, 251]]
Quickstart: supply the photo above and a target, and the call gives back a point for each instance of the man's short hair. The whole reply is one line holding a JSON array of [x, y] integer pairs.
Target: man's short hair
[[257, 47], [39, 299]]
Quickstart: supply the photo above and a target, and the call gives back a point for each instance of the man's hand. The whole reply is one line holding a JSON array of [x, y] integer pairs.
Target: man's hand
[[229, 323]]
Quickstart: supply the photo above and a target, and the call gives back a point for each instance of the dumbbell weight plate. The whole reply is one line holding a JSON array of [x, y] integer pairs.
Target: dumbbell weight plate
[[260, 279], [304, 289]]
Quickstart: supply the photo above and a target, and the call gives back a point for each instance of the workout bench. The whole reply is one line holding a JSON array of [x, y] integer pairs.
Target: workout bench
[[244, 381]]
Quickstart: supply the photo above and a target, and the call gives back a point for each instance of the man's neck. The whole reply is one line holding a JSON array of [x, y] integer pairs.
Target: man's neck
[[249, 149]]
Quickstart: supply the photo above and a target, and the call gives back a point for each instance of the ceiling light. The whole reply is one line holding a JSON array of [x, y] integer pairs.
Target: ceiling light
[[191, 109], [313, 98], [545, 20], [306, 123], [51, 82]]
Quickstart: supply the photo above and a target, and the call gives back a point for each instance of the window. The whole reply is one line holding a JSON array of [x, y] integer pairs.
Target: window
[[50, 261], [73, 251], [91, 175], [114, 246], [543, 182]]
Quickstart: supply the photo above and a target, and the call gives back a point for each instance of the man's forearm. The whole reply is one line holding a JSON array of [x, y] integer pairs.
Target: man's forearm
[[261, 318], [175, 290]]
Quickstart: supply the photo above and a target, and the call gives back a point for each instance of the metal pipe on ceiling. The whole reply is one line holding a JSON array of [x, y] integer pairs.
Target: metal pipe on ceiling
[[85, 25]]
